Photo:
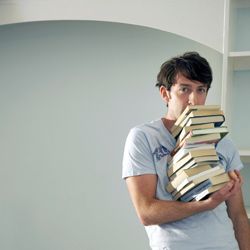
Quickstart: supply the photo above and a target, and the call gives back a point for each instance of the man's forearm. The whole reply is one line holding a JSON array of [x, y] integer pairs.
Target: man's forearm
[[242, 232], [152, 211], [159, 211]]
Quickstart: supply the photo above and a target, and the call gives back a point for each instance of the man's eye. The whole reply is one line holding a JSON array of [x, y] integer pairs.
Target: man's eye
[[203, 90], [184, 89]]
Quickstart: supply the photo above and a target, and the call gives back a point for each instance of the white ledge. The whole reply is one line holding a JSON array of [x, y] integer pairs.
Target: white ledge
[[201, 21]]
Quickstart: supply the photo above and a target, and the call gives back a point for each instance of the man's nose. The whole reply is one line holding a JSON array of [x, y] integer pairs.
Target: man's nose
[[193, 98]]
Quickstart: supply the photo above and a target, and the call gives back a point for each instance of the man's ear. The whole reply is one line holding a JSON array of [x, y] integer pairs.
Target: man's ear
[[165, 94]]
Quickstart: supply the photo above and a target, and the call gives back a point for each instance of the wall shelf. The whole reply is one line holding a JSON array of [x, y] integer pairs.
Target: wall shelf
[[240, 60], [244, 152], [245, 155], [236, 79]]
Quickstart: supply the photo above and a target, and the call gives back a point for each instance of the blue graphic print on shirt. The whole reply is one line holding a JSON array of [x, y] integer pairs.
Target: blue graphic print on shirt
[[160, 152]]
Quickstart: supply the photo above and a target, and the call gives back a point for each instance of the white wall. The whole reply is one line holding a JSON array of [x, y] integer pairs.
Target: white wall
[[199, 20], [69, 93]]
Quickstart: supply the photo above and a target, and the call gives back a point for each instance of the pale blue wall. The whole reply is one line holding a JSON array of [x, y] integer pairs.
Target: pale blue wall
[[239, 107], [69, 93], [242, 32], [246, 186]]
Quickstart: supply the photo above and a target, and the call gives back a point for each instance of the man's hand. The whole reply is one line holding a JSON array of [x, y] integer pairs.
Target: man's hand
[[229, 190]]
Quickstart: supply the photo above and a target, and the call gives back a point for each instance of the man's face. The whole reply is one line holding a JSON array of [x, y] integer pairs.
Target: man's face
[[185, 92]]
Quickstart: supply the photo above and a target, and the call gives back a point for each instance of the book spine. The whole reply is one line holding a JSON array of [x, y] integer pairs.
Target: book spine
[[196, 190], [201, 195]]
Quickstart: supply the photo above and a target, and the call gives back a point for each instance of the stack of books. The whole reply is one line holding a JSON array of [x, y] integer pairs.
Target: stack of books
[[194, 170]]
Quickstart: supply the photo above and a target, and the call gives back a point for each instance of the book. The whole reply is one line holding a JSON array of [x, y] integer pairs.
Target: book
[[187, 166], [211, 158], [187, 129], [197, 152], [186, 149], [208, 191], [209, 138], [201, 113], [216, 119], [205, 138], [222, 130], [203, 131], [184, 175], [190, 108], [204, 187], [176, 129], [196, 178], [194, 188], [196, 136], [189, 195]]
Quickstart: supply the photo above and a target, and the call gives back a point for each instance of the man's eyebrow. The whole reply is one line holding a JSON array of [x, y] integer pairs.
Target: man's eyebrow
[[188, 85], [185, 84], [203, 86]]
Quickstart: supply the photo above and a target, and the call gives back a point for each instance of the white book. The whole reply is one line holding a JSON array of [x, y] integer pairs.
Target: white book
[[212, 159], [206, 174], [207, 191], [186, 149]]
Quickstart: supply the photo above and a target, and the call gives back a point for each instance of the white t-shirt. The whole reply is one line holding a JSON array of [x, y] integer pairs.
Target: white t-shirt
[[146, 151]]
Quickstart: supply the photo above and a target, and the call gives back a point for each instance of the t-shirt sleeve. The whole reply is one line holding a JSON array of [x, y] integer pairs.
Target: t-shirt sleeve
[[137, 157], [229, 155]]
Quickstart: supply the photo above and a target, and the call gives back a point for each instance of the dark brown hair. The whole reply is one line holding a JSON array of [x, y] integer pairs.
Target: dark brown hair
[[191, 65]]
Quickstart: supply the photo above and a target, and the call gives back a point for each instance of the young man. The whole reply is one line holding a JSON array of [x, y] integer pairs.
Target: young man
[[219, 222]]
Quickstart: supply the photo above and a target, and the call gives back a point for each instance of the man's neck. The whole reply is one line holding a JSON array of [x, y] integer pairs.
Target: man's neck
[[168, 123]]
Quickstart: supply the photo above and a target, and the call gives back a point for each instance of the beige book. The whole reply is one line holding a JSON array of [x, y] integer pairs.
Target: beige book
[[191, 108], [194, 132], [187, 129], [199, 139], [220, 178], [201, 113], [208, 191], [204, 175], [210, 158], [176, 128], [192, 154], [186, 174]]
